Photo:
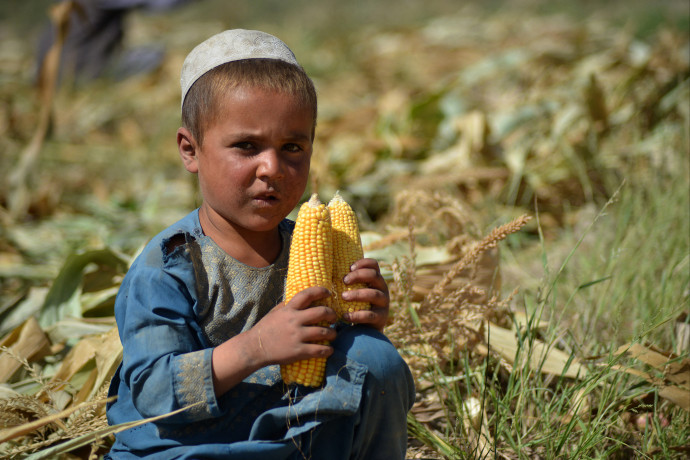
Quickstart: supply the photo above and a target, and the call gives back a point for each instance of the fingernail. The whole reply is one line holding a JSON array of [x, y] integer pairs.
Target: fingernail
[[346, 279], [352, 267]]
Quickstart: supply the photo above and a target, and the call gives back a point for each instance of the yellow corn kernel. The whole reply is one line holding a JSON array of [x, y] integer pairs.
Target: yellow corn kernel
[[347, 249], [310, 264]]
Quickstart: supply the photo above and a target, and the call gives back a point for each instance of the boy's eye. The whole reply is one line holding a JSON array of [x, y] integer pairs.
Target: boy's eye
[[292, 148], [243, 145]]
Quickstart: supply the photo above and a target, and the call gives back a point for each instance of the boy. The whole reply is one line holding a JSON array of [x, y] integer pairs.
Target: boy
[[200, 313]]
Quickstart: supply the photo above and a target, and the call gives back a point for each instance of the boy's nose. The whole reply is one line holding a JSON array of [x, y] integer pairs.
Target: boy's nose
[[269, 164]]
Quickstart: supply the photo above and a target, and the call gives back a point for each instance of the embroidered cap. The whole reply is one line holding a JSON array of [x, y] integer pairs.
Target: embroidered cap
[[228, 46]]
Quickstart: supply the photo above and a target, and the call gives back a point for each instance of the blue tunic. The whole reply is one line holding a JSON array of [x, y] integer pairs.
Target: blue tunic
[[182, 297]]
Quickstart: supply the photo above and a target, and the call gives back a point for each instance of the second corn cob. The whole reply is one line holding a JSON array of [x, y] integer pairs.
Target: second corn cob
[[310, 264], [347, 249]]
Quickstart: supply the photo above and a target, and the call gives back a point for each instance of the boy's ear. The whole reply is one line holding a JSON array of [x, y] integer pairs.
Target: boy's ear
[[188, 149]]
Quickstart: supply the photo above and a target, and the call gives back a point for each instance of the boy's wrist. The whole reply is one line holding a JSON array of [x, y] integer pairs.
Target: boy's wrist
[[252, 350], [234, 360]]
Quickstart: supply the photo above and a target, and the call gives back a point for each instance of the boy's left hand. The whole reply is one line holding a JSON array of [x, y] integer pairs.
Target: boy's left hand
[[367, 271]]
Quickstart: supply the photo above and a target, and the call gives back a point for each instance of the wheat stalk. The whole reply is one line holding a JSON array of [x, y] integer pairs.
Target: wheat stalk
[[472, 256]]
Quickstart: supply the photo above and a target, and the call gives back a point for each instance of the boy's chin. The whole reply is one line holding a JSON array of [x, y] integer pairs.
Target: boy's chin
[[261, 224]]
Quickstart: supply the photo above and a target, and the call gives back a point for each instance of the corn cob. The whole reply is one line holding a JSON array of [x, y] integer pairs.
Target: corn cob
[[347, 249], [310, 264]]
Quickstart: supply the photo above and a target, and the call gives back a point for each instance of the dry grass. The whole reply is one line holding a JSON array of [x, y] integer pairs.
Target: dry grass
[[449, 317], [37, 412]]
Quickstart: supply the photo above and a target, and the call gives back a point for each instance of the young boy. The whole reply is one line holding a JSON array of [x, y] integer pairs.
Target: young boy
[[200, 312]]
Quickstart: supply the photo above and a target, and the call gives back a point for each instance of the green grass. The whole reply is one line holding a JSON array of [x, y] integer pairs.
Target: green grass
[[624, 279], [631, 275]]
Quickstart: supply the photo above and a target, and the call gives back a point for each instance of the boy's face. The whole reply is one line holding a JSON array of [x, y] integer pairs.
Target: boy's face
[[253, 165]]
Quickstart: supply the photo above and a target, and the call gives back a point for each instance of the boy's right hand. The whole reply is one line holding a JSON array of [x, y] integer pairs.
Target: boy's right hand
[[290, 331], [284, 335]]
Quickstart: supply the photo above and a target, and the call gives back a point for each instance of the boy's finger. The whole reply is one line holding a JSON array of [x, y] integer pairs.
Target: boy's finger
[[318, 314], [309, 296], [366, 263], [318, 334], [314, 350], [372, 317], [367, 276], [361, 316], [368, 295]]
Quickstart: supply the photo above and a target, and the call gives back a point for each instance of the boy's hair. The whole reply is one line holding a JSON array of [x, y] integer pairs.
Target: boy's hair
[[200, 107]]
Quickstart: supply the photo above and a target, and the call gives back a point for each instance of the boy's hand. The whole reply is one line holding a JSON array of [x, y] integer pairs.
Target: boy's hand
[[289, 331], [284, 335], [367, 271]]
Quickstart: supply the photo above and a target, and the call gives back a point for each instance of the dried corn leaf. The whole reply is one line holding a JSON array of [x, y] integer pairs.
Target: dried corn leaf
[[72, 329], [429, 411], [674, 383], [677, 395], [521, 322], [674, 368], [105, 351], [386, 249], [18, 312], [541, 356], [26, 342], [63, 299]]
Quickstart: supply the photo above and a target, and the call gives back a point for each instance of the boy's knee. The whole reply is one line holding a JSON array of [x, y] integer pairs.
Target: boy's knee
[[372, 348], [380, 425]]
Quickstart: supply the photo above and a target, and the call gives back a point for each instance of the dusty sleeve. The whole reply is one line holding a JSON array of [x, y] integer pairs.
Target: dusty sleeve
[[165, 364]]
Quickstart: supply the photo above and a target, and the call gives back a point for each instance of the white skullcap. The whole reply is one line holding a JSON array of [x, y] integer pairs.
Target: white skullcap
[[231, 45]]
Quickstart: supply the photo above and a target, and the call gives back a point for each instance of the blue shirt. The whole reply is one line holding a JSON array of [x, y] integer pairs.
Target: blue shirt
[[182, 297]]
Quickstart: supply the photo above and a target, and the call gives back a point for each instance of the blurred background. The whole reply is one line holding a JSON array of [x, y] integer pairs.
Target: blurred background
[[460, 114], [509, 107]]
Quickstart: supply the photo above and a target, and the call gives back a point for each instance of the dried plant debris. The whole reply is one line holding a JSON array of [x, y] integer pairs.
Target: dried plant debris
[[53, 410], [667, 372], [450, 317]]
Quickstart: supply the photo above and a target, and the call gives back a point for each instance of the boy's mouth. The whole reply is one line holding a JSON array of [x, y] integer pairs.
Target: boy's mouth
[[268, 198]]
